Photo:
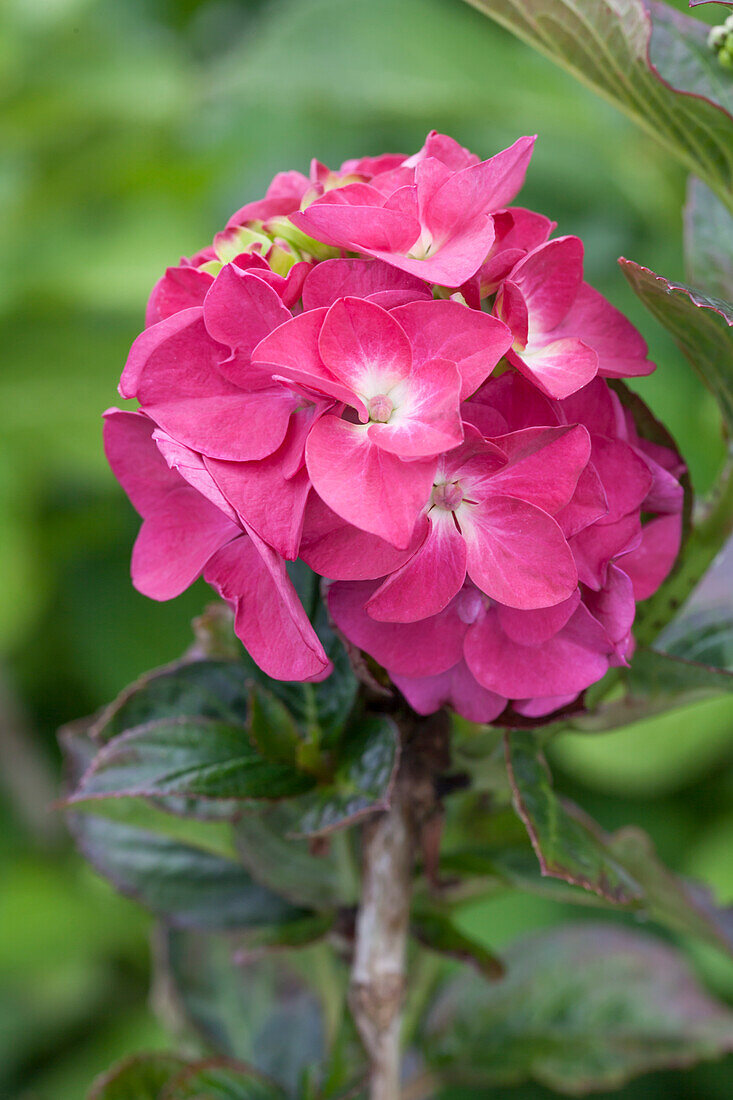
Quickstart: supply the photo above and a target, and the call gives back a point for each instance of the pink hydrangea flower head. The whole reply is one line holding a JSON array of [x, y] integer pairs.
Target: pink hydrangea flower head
[[388, 372]]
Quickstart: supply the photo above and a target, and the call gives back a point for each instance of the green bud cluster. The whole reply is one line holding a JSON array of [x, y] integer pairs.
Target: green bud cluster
[[720, 41]]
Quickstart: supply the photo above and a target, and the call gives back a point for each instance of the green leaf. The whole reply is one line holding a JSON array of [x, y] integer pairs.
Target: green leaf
[[300, 932], [708, 241], [289, 866], [188, 757], [361, 783], [272, 729], [582, 1008], [221, 1079], [565, 846], [701, 326], [321, 710], [606, 45], [435, 929], [140, 1077], [621, 868], [262, 1011], [655, 683], [206, 689]]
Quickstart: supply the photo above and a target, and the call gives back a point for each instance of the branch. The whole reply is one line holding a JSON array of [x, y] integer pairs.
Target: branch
[[378, 979]]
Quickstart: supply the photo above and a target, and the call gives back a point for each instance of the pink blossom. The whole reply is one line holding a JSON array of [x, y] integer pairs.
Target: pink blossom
[[455, 466], [438, 227]]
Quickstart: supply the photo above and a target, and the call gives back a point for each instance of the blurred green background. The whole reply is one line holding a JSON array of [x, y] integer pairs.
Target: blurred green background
[[129, 132]]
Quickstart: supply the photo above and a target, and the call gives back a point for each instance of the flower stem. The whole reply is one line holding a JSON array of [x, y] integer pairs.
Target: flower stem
[[378, 976]]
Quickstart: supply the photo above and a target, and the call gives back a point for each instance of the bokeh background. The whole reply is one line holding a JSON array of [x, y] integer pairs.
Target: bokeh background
[[130, 130]]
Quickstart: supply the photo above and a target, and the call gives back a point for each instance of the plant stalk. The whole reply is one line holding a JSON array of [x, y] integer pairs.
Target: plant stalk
[[389, 843]]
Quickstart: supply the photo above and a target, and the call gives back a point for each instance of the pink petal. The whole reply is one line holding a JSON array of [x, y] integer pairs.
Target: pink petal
[[518, 401], [406, 649], [334, 279], [512, 308], [190, 465], [264, 498], [613, 606], [364, 347], [596, 546], [176, 541], [625, 476], [136, 461], [482, 187], [446, 150], [240, 310], [549, 278], [517, 554], [621, 349], [453, 261], [535, 627], [173, 371], [651, 562], [364, 484], [594, 406], [569, 662], [544, 705], [342, 552], [456, 688], [282, 197], [427, 420], [559, 367], [291, 352], [473, 340], [180, 288], [354, 217], [588, 504], [428, 581], [544, 465], [269, 618]]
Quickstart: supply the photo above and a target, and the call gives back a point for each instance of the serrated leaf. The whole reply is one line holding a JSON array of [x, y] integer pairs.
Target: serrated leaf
[[187, 757], [206, 688], [708, 241], [221, 1079], [565, 847], [141, 1076], [655, 683], [435, 929], [287, 864], [701, 326], [582, 1008], [362, 781], [606, 45], [262, 1011], [621, 868]]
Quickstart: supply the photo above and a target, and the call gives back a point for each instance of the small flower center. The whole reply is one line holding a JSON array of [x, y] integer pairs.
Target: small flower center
[[380, 408], [447, 495]]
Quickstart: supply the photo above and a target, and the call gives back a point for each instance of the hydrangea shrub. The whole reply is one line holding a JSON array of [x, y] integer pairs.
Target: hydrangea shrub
[[386, 419]]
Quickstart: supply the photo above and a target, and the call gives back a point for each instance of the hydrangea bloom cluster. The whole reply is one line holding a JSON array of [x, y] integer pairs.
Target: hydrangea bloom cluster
[[394, 374]]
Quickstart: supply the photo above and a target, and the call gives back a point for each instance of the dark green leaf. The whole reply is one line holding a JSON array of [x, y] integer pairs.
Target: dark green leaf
[[361, 784], [322, 709], [300, 932], [606, 45], [436, 930], [272, 728], [581, 1008], [701, 326], [189, 757], [287, 864], [708, 241], [621, 868], [655, 683], [205, 689], [221, 1079], [138, 1078], [262, 1011], [565, 846]]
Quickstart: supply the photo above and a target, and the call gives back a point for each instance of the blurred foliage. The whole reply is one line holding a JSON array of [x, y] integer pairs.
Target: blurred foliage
[[129, 132]]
